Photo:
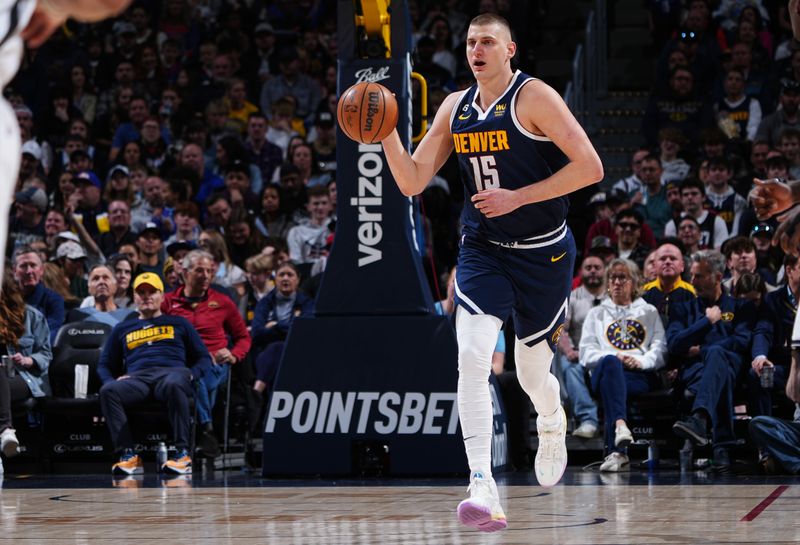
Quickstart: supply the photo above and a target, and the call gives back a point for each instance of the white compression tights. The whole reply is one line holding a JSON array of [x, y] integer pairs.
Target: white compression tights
[[533, 373], [477, 337]]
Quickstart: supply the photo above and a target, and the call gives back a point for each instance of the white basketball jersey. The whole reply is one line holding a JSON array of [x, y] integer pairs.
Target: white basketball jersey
[[14, 16]]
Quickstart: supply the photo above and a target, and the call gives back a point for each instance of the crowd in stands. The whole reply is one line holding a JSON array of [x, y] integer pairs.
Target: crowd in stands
[[195, 142]]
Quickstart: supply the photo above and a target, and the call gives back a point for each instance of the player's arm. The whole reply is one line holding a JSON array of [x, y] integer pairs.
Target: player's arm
[[542, 111], [546, 113], [412, 173], [51, 14]]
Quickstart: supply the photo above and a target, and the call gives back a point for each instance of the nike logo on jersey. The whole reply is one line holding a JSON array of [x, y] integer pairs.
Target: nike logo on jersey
[[481, 142], [553, 258], [464, 117]]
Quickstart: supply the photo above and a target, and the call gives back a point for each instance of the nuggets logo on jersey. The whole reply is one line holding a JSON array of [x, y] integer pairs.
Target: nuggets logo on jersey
[[149, 335], [557, 334], [626, 334]]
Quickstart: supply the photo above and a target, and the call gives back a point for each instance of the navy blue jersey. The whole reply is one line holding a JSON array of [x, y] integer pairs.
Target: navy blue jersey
[[495, 150], [164, 341]]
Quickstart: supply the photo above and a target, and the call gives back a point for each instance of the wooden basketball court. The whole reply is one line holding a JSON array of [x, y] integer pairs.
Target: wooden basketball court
[[588, 508]]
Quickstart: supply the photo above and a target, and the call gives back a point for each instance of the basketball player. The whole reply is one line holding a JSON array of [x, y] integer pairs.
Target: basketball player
[[521, 152], [33, 22]]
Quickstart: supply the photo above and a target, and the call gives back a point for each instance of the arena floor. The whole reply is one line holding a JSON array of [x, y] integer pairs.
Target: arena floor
[[234, 507]]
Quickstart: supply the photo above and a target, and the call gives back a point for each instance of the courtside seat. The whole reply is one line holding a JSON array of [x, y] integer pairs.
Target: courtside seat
[[74, 429]]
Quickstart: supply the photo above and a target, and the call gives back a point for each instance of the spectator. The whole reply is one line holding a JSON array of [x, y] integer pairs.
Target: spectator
[[772, 339], [668, 289], [712, 228], [740, 253], [273, 318], [55, 222], [720, 196], [622, 345], [680, 107], [123, 269], [71, 257], [238, 187], [280, 130], [307, 243], [784, 117], [273, 221], [567, 358], [650, 272], [119, 228], [689, 235], [304, 158], [152, 209], [259, 269], [606, 207], [228, 275], [712, 334], [89, 209], [119, 186], [654, 206], [243, 239], [291, 81], [216, 319], [131, 130], [150, 250], [629, 231], [25, 338], [240, 109], [779, 440], [28, 271], [260, 152], [738, 114], [769, 258], [671, 141], [633, 184], [27, 225], [187, 218], [219, 212], [100, 305], [155, 356], [192, 158]]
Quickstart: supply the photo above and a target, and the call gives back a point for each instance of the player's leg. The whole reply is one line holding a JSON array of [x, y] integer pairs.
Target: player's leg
[[542, 282], [484, 298], [533, 372], [477, 337], [10, 155]]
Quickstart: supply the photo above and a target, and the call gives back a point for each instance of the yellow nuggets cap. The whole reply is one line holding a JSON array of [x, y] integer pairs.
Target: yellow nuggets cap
[[151, 279]]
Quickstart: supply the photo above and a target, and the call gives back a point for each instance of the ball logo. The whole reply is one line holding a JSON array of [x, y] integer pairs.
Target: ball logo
[[366, 75], [626, 334], [373, 107]]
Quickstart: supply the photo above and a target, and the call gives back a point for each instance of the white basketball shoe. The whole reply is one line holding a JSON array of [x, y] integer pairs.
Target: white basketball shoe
[[482, 509], [551, 456]]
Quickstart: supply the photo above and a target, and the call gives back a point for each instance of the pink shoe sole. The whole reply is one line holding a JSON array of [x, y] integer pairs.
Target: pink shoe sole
[[479, 517]]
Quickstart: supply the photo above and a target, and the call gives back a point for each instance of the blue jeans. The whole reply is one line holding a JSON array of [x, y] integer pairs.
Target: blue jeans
[[579, 400], [614, 383], [780, 438], [207, 391], [712, 380]]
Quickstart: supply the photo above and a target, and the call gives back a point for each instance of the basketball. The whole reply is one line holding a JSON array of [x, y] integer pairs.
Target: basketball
[[367, 112]]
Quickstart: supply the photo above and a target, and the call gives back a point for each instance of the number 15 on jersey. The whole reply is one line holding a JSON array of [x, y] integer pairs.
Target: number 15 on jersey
[[484, 170]]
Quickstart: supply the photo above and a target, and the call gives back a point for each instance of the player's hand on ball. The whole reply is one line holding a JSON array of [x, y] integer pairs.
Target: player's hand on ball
[[496, 202], [770, 197]]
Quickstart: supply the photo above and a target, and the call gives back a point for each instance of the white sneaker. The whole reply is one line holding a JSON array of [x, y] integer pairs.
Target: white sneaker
[[586, 430], [622, 436], [482, 509], [551, 456], [9, 443], [614, 462]]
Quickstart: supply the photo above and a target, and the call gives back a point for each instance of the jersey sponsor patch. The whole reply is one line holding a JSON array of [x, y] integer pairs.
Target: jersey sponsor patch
[[148, 335], [625, 334]]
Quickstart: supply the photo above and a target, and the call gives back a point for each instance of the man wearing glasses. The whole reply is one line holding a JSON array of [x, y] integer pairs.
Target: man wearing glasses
[[629, 229]]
